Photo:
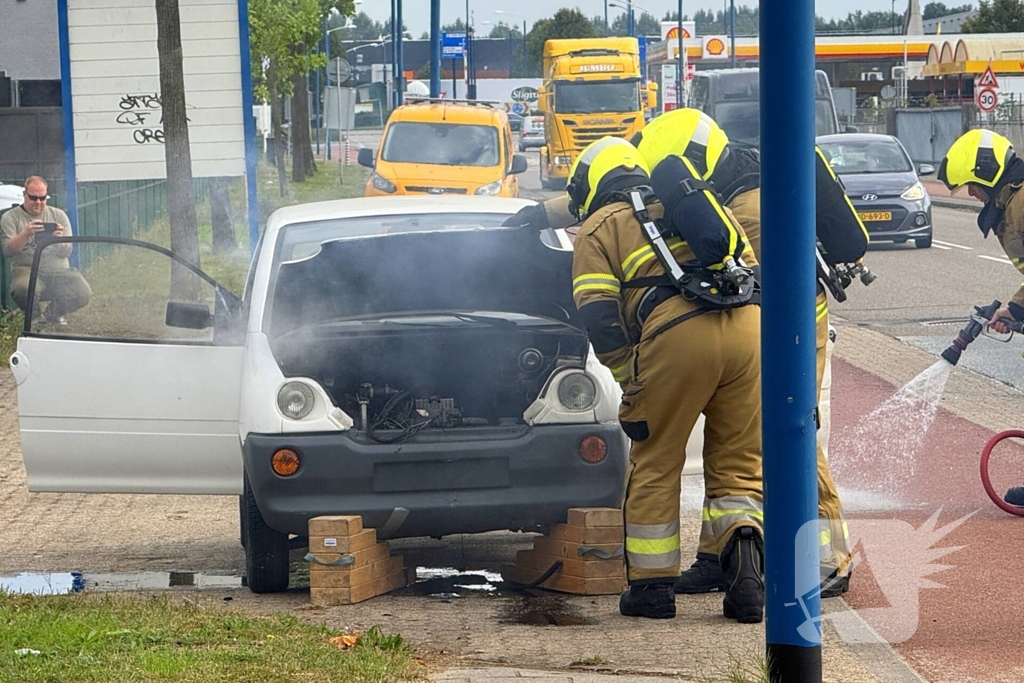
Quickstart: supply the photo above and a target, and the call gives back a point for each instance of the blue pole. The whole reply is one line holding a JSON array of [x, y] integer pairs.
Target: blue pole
[[788, 343], [319, 122], [249, 125], [400, 56], [732, 33], [435, 48], [67, 123], [680, 73], [394, 54], [327, 46]]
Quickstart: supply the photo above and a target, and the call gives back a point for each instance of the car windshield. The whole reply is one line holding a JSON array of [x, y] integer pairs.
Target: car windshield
[[866, 156], [449, 144], [741, 120], [599, 97], [302, 240]]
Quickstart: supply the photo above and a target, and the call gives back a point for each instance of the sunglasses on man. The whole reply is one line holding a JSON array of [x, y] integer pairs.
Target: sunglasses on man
[[37, 198]]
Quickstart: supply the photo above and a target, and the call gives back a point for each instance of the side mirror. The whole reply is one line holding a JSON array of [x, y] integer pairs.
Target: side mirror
[[851, 129], [366, 157], [519, 164], [188, 316], [925, 169]]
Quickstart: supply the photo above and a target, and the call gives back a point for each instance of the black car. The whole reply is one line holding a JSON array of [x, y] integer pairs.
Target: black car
[[515, 121], [883, 185]]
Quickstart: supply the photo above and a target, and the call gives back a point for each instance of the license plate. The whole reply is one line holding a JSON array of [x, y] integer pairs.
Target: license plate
[[875, 215]]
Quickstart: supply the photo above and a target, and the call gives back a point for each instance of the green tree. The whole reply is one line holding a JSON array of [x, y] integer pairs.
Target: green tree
[[934, 10], [457, 25], [646, 25], [567, 23], [998, 16], [856, 22], [502, 30]]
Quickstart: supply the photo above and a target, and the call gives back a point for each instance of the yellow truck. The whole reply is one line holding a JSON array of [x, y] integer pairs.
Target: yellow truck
[[592, 87]]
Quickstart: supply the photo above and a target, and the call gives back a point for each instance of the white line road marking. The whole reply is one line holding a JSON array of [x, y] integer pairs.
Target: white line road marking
[[941, 246], [996, 259], [950, 244]]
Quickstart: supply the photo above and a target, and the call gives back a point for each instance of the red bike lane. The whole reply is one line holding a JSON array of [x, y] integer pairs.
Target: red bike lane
[[970, 630]]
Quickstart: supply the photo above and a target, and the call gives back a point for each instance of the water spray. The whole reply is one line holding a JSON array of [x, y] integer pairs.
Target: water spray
[[977, 325]]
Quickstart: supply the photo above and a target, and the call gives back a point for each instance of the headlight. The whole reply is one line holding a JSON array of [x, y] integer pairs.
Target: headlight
[[577, 392], [490, 189], [563, 161], [915, 191], [383, 184], [296, 400]]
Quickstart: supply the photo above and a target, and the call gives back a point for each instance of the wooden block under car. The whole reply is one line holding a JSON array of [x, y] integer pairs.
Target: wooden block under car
[[566, 549], [595, 517], [365, 557], [581, 568], [358, 592], [343, 544], [356, 575], [335, 525], [587, 535]]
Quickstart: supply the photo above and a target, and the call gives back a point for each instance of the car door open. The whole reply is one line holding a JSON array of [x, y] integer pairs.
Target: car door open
[[128, 372]]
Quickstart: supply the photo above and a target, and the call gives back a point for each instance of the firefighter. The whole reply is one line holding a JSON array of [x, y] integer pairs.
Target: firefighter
[[986, 163], [735, 174], [676, 357]]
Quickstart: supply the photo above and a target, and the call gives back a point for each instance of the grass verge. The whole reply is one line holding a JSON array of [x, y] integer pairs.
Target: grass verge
[[105, 638]]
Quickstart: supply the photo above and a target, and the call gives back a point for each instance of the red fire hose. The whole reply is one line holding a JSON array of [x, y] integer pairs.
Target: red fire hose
[[987, 483]]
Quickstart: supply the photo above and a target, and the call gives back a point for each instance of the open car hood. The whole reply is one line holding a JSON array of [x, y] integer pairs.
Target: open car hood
[[494, 269]]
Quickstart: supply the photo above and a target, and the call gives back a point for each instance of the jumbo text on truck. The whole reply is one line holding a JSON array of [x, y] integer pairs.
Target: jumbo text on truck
[[592, 88]]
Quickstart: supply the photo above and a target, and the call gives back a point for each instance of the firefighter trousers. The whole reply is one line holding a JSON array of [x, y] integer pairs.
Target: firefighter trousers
[[833, 535], [708, 364]]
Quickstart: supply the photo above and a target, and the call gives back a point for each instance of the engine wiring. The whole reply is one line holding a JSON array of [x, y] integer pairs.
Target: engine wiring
[[396, 415]]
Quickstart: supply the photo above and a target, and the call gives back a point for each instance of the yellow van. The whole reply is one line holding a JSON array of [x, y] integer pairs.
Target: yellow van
[[442, 147]]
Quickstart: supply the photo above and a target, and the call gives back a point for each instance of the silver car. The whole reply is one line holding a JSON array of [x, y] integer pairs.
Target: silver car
[[883, 185], [532, 133]]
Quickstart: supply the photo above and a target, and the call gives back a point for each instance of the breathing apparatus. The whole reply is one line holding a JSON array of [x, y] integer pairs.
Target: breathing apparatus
[[978, 324]]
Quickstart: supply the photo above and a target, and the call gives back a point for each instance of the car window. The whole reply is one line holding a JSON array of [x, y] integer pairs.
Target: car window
[[866, 156], [450, 144], [741, 120], [303, 240], [596, 97]]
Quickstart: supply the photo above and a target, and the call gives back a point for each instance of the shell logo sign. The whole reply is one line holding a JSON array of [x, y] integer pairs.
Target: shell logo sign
[[673, 33], [715, 47]]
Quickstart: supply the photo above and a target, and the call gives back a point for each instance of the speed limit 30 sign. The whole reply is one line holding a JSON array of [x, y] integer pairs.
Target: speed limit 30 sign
[[987, 99]]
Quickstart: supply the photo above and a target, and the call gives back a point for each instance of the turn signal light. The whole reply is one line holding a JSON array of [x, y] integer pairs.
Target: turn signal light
[[593, 449], [285, 462]]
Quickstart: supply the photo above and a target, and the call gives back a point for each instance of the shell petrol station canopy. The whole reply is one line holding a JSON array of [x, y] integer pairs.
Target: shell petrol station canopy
[[826, 48], [1004, 52]]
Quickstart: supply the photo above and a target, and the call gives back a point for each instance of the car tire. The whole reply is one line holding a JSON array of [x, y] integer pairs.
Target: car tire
[[266, 550], [924, 242]]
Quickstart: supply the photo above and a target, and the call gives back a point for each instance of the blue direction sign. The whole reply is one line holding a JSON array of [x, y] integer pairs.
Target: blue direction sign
[[642, 41], [453, 44]]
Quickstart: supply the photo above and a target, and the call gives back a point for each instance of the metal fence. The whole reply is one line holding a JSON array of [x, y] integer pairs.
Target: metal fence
[[105, 209]]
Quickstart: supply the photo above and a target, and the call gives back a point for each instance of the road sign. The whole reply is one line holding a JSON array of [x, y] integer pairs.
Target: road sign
[[888, 92], [988, 79], [338, 71], [987, 99], [453, 44]]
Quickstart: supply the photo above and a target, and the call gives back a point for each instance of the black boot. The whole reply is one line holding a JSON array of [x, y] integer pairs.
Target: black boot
[[833, 586], [743, 566], [1015, 496], [651, 600], [704, 576]]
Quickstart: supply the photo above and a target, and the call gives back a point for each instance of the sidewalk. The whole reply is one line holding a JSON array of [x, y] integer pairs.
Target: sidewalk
[[941, 197]]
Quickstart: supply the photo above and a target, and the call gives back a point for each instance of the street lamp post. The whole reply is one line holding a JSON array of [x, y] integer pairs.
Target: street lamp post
[[526, 62], [680, 68]]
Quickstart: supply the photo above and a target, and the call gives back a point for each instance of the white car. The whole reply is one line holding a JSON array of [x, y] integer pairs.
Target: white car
[[403, 358], [10, 196], [532, 133]]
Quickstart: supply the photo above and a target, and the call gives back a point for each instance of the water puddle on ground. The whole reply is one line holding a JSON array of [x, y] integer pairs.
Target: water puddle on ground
[[60, 583], [882, 449], [543, 610], [448, 583]]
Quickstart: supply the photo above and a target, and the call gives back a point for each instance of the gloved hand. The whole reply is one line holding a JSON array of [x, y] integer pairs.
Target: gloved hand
[[533, 216]]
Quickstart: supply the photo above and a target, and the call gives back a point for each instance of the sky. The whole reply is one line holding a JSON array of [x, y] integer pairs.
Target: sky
[[416, 13]]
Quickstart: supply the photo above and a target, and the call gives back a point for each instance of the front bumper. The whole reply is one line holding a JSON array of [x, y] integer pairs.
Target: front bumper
[[904, 223], [466, 480]]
